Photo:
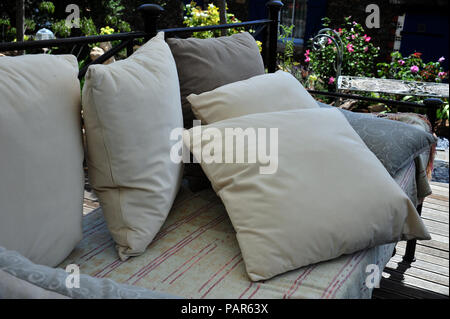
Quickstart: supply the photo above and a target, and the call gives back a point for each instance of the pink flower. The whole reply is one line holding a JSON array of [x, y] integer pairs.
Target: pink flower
[[366, 49], [442, 74], [414, 69], [340, 30], [350, 47], [353, 36], [331, 80], [329, 41], [307, 59], [401, 62], [367, 38], [441, 59]]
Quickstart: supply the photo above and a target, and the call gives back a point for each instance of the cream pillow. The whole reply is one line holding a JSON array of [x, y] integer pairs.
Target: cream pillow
[[41, 156], [327, 195], [130, 108], [259, 94]]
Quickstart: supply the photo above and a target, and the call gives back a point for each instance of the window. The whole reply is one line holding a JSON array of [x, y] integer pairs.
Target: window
[[294, 12]]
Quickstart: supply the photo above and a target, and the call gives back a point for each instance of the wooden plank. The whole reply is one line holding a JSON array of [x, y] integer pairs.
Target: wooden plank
[[435, 227], [439, 238], [435, 215], [444, 185], [385, 293], [441, 208], [420, 264], [424, 257], [415, 282], [437, 201], [439, 197], [406, 269], [435, 244], [440, 191], [427, 250], [411, 291]]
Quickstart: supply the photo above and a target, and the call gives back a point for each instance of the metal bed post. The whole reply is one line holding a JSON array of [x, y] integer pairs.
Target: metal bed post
[[150, 14], [274, 15]]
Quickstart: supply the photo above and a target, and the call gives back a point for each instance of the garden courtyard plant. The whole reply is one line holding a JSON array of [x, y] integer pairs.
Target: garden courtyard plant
[[359, 55]]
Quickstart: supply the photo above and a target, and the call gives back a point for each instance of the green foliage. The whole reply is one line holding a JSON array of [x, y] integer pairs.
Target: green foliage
[[114, 9], [358, 54], [411, 68], [443, 113], [286, 59], [87, 26], [60, 29], [196, 17], [47, 6]]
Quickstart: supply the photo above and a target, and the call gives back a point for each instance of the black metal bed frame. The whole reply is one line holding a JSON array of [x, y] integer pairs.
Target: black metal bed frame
[[266, 28]]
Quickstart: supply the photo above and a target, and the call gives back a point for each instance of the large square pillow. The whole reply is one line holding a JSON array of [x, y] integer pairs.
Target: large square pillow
[[205, 64], [321, 194], [41, 156], [130, 109], [258, 94], [395, 143]]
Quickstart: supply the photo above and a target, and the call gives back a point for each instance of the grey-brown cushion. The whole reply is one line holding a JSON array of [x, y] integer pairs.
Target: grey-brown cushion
[[395, 143], [206, 64]]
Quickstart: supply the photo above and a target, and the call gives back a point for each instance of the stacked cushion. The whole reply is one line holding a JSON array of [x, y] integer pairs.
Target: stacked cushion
[[205, 64], [328, 196], [259, 94], [395, 143], [130, 109], [41, 172]]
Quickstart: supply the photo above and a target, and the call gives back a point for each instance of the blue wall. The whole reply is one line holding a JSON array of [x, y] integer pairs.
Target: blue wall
[[428, 34]]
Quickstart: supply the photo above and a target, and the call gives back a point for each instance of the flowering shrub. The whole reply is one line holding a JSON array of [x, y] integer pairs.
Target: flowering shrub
[[196, 17], [358, 54], [412, 68], [286, 59]]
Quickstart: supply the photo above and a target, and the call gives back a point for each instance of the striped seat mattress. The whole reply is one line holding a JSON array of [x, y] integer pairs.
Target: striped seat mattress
[[196, 255]]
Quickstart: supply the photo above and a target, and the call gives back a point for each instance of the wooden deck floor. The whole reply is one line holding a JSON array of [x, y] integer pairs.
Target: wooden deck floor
[[428, 276]]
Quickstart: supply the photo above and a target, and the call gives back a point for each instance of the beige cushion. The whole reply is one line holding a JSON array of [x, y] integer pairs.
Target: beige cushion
[[329, 195], [206, 64], [41, 172], [130, 108], [259, 94]]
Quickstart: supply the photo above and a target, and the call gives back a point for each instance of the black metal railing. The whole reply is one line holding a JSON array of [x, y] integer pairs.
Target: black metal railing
[[430, 105], [266, 28]]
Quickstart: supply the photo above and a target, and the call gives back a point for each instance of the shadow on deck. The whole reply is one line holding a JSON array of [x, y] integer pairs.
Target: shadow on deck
[[428, 276]]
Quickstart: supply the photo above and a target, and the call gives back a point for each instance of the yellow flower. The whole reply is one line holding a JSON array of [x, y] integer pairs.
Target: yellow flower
[[106, 30], [259, 44]]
